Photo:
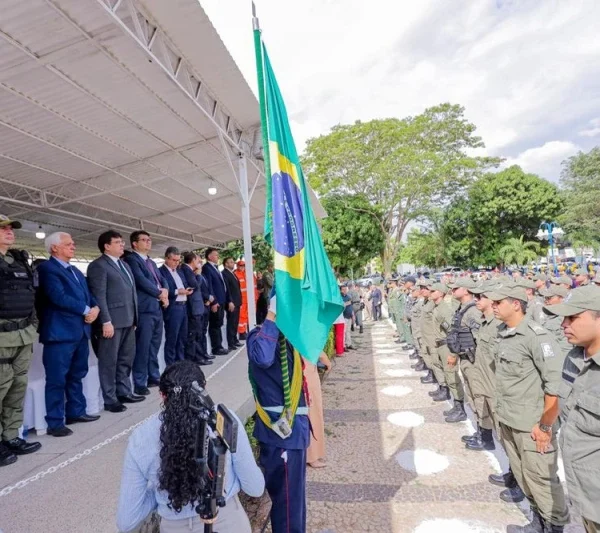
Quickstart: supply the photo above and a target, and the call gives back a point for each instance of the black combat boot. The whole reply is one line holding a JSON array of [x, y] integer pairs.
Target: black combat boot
[[512, 495], [433, 393], [442, 394], [429, 378], [450, 411], [476, 435], [459, 414], [421, 366], [6, 456], [413, 354], [536, 525], [419, 361], [485, 441], [360, 329], [553, 528], [503, 480]]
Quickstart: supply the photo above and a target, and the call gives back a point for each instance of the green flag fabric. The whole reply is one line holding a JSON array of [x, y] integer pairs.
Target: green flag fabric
[[308, 298]]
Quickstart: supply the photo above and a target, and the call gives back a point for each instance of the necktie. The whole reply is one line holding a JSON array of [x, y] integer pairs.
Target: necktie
[[72, 271], [150, 265], [124, 271]]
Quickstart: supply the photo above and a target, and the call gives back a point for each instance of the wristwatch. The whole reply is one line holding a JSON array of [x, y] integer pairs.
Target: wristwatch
[[545, 428]]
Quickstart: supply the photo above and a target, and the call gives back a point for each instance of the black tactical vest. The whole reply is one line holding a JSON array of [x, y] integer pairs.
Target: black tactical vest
[[17, 295], [460, 339]]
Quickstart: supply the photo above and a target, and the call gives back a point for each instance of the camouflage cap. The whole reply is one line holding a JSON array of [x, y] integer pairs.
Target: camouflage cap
[[466, 283], [5, 221], [486, 286], [566, 280], [506, 290], [540, 276], [554, 290], [582, 299], [424, 282]]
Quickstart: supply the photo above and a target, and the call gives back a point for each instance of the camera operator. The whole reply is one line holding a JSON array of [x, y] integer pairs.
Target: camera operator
[[160, 472], [282, 426]]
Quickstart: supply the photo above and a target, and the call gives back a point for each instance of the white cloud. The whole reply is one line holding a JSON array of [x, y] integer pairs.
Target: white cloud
[[593, 130], [526, 71], [545, 161]]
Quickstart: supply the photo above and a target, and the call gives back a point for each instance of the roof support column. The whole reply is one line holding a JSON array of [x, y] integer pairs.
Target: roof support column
[[247, 235]]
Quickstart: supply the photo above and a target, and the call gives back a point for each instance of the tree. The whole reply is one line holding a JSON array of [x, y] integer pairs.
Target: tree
[[580, 179], [424, 248], [518, 252], [404, 168], [351, 234], [261, 250], [498, 207]]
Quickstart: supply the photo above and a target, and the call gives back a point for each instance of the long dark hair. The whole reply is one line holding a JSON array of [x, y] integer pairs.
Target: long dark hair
[[179, 474]]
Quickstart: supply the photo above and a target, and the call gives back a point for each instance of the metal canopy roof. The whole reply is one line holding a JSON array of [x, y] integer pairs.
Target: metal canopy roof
[[120, 113]]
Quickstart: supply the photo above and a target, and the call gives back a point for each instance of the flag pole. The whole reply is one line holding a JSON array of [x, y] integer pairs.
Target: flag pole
[[260, 73]]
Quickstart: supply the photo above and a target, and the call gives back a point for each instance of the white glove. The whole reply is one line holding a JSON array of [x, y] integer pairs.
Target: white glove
[[273, 305]]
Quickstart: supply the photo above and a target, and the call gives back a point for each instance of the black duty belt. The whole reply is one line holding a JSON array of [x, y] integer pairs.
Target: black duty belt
[[440, 343], [7, 360], [15, 326]]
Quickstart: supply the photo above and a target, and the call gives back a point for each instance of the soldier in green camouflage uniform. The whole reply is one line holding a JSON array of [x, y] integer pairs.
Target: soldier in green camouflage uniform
[[535, 303], [442, 314], [580, 417], [393, 305], [415, 324], [17, 335]]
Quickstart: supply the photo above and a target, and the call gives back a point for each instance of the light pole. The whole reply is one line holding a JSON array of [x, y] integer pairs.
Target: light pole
[[550, 231]]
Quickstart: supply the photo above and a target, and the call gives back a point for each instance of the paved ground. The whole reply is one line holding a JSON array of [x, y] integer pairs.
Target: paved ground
[[394, 464]]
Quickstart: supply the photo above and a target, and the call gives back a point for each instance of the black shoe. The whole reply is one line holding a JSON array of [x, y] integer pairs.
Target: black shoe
[[429, 378], [6, 456], [61, 431], [243, 336], [131, 398], [152, 383], [419, 361], [84, 418], [141, 391], [537, 525], [433, 393], [459, 414], [208, 356], [421, 366], [442, 395], [220, 351], [450, 411], [21, 446], [115, 408], [238, 345], [352, 327], [514, 495], [398, 341], [351, 347], [361, 330], [205, 362], [469, 438], [479, 445], [413, 355], [503, 480]]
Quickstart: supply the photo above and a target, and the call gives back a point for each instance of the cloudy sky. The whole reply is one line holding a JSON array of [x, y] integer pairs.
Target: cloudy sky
[[527, 71]]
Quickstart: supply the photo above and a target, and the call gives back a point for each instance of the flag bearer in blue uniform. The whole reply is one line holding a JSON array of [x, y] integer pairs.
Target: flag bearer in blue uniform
[[282, 427]]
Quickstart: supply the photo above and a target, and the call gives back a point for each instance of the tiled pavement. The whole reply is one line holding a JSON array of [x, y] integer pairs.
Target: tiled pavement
[[394, 465]]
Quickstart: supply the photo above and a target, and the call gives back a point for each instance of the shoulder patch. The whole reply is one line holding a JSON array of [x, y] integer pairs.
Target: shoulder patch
[[537, 328], [474, 324], [547, 350]]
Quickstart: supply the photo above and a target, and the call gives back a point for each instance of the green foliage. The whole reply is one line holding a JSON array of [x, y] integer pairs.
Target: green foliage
[[580, 179], [261, 250], [329, 348], [499, 207], [403, 168], [518, 252], [351, 233], [249, 427]]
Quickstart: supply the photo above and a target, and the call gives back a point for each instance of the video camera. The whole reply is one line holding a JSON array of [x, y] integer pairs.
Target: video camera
[[210, 448]]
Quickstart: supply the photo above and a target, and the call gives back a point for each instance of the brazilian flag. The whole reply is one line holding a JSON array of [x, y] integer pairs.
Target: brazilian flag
[[308, 298]]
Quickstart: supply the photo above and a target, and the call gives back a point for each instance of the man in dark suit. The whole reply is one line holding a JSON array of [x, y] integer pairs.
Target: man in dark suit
[[221, 302], [152, 295], [175, 315], [197, 310], [235, 295], [113, 335], [67, 310]]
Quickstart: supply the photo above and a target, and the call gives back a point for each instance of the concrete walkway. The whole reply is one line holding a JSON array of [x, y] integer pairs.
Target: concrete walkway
[[394, 465], [81, 496]]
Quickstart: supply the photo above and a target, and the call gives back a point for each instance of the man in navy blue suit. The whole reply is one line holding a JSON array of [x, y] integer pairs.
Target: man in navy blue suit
[[152, 295], [221, 302], [67, 312], [175, 315], [197, 309]]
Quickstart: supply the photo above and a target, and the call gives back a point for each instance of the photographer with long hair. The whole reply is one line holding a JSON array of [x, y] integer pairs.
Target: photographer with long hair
[[160, 472]]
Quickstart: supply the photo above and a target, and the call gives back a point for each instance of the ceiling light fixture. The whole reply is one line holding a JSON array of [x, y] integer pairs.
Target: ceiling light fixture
[[212, 188], [40, 234]]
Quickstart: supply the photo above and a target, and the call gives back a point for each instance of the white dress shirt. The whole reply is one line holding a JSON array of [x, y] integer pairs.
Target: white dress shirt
[[179, 284]]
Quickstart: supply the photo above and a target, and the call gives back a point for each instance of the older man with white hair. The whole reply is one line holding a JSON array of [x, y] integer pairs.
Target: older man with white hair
[[66, 312]]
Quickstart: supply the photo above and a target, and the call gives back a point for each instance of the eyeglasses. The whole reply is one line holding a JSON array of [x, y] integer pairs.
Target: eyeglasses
[[145, 239]]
